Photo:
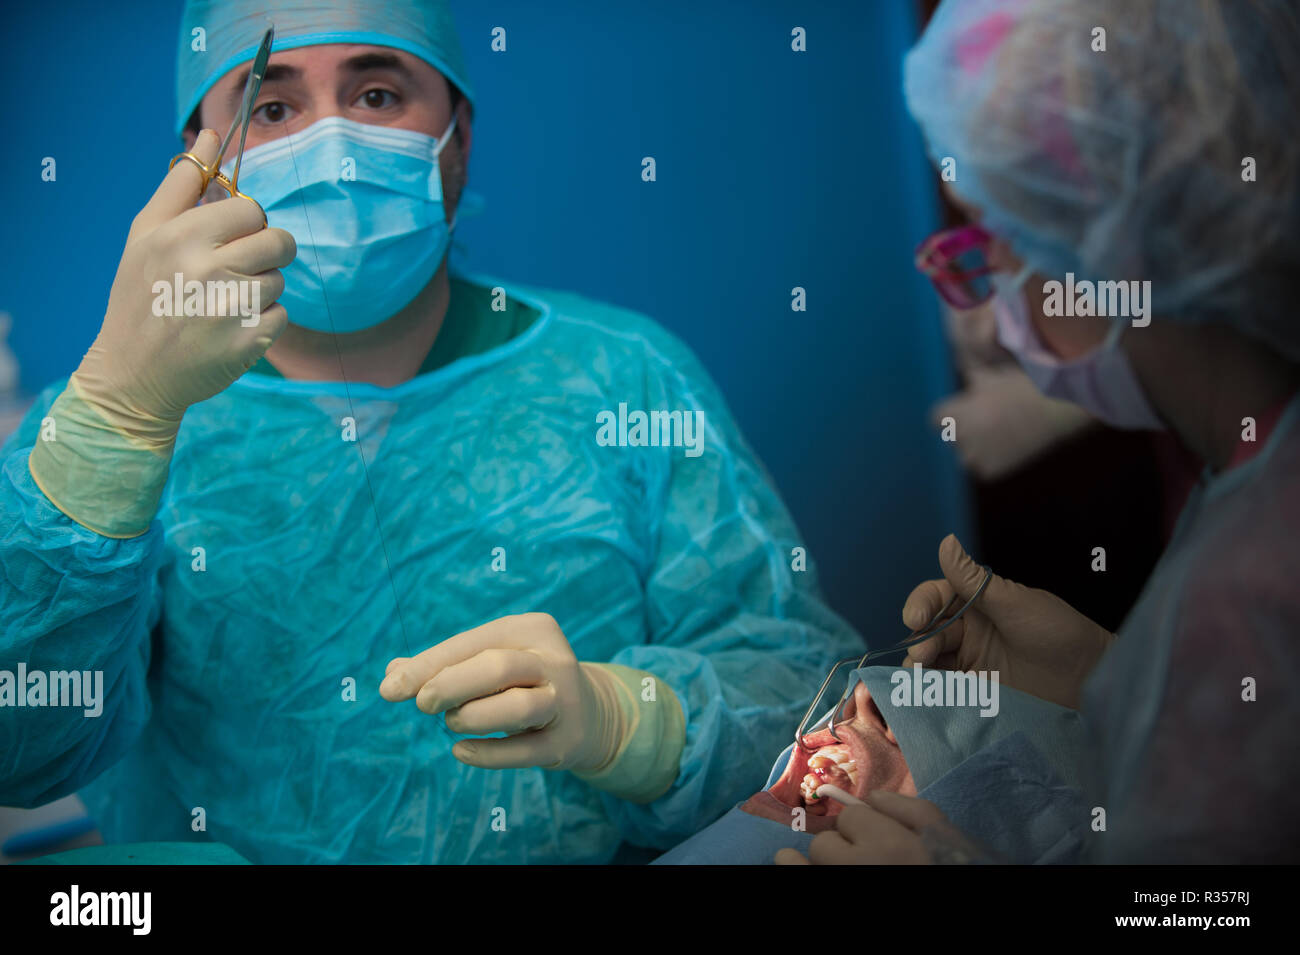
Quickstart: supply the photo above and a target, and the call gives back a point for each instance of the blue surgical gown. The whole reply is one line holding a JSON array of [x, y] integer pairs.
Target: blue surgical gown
[[289, 563], [1193, 712]]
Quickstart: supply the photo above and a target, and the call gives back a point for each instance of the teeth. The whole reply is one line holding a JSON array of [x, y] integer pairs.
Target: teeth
[[830, 764]]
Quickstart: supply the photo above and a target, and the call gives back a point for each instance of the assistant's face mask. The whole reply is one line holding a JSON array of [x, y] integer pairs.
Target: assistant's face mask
[[1101, 382], [365, 205]]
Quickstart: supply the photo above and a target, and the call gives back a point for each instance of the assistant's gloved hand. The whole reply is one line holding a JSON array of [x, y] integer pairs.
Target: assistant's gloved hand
[[1004, 421], [890, 829], [1037, 642], [105, 462], [520, 676]]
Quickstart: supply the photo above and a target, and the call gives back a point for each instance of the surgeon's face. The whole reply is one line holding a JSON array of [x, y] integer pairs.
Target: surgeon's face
[[1066, 337], [367, 84]]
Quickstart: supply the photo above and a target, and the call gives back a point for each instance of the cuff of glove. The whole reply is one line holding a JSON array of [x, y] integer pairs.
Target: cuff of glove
[[96, 474], [646, 762]]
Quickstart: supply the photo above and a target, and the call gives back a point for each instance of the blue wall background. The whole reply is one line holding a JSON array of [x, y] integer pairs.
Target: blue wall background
[[775, 169]]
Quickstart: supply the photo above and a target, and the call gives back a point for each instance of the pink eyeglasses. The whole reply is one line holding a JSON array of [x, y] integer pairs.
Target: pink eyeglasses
[[956, 263]]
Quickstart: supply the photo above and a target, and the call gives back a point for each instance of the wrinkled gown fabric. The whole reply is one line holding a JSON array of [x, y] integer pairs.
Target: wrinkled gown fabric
[[322, 559]]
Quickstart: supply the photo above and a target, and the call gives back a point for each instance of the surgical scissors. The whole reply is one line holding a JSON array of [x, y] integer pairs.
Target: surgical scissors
[[252, 86], [915, 637]]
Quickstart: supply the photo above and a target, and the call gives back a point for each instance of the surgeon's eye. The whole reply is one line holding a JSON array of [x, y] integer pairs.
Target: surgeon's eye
[[378, 99], [273, 112]]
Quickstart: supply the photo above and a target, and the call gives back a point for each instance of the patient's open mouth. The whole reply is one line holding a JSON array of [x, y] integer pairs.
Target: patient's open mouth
[[832, 764], [861, 755], [838, 762]]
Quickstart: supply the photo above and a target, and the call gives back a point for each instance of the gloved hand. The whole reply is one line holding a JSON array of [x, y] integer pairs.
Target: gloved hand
[[1037, 642], [1004, 421], [891, 829], [520, 676], [973, 333], [116, 423]]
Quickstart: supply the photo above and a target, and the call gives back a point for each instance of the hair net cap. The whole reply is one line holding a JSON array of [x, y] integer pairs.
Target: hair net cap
[[1129, 162], [232, 30]]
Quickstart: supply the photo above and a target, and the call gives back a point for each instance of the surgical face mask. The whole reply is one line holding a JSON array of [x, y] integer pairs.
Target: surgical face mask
[[1101, 382], [365, 205]]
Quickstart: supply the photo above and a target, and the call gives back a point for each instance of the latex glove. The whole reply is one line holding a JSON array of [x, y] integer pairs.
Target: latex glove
[[973, 333], [1037, 642], [891, 829], [116, 423], [520, 676], [1004, 421]]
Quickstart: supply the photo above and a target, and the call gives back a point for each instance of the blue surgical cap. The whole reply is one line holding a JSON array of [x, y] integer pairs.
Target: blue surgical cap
[[232, 30], [1110, 138]]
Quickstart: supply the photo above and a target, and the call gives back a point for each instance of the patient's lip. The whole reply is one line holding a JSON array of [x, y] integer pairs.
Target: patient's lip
[[875, 752], [851, 748], [833, 763]]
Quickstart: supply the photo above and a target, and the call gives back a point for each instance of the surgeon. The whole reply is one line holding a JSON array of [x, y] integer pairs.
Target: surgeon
[[1154, 142], [363, 581]]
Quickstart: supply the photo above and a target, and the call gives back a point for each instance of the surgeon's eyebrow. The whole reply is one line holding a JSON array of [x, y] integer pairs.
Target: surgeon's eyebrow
[[361, 63], [274, 72], [364, 62]]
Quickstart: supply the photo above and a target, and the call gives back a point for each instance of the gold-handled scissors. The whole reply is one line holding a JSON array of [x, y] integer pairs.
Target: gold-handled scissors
[[213, 172]]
